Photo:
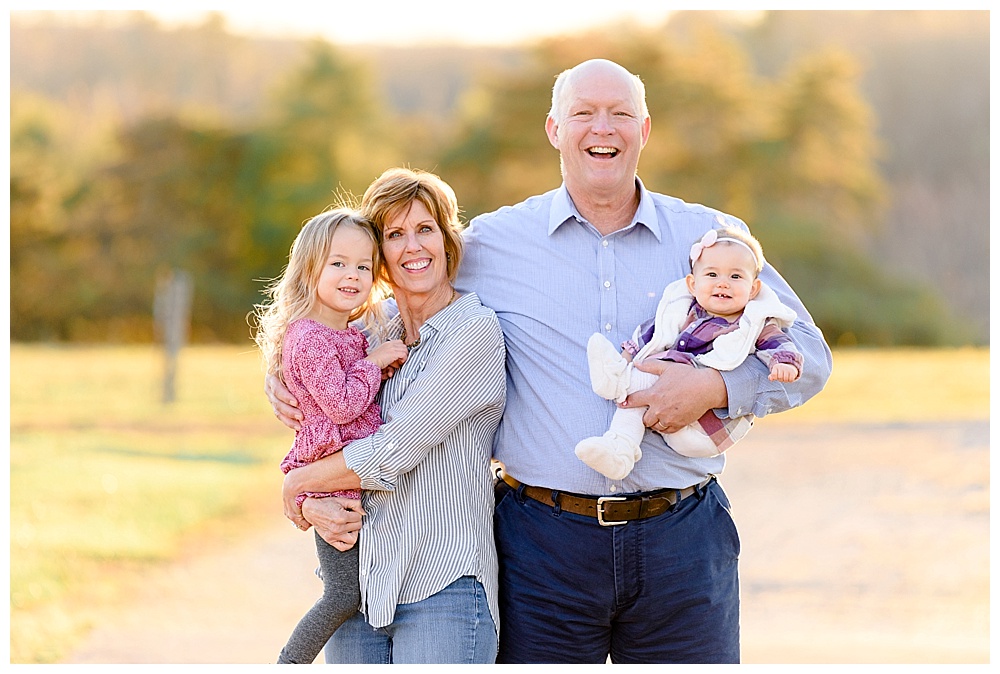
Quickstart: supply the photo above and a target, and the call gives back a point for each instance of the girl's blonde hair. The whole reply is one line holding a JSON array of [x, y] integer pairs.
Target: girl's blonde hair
[[293, 295], [394, 192]]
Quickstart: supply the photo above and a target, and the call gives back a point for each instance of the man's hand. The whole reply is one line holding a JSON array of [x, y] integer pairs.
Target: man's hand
[[680, 396], [284, 405], [337, 520]]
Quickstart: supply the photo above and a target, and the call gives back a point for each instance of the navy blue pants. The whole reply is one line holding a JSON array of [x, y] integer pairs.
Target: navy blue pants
[[660, 590]]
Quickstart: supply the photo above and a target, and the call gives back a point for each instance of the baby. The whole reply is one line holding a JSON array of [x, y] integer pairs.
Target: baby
[[715, 317]]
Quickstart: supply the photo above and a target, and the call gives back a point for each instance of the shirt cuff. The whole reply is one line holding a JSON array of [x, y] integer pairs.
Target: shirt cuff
[[361, 456], [741, 389]]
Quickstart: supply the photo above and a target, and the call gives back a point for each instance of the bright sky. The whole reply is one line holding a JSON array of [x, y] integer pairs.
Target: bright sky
[[424, 21], [409, 22]]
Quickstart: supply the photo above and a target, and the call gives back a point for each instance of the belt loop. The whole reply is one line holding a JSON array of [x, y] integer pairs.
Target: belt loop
[[678, 496], [555, 501], [520, 494], [699, 492]]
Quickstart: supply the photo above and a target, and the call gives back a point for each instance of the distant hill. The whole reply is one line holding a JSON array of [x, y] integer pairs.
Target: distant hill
[[141, 66]]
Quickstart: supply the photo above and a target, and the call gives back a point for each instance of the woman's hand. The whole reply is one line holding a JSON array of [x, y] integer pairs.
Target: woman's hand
[[285, 406], [680, 396], [337, 520], [289, 493], [323, 475]]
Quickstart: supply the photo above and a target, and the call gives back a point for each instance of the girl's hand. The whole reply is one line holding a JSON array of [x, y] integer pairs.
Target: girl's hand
[[783, 372], [388, 356], [283, 404]]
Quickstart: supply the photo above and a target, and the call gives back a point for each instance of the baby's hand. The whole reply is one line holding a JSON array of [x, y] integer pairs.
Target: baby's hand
[[388, 356], [784, 372]]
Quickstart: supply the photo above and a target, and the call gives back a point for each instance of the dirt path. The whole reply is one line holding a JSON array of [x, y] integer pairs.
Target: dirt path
[[860, 545]]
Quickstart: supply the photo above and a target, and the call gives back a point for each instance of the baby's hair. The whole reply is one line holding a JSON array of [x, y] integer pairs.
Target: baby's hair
[[746, 239], [293, 295]]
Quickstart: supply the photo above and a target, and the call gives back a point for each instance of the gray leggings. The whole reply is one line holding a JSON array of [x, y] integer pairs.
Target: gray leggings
[[341, 599]]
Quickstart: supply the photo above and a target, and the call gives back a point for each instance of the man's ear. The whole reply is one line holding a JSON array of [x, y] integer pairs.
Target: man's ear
[[552, 131]]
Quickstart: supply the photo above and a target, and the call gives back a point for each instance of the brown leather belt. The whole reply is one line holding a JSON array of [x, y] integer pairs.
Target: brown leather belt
[[609, 510]]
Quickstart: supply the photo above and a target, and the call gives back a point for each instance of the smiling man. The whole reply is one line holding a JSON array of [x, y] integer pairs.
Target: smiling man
[[643, 569]]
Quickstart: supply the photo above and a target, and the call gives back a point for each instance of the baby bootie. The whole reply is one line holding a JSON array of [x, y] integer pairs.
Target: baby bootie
[[611, 454], [692, 441], [608, 369]]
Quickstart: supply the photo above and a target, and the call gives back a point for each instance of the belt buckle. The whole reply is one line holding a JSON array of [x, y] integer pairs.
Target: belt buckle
[[600, 510]]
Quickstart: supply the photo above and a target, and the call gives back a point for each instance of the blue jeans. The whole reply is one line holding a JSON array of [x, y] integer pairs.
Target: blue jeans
[[660, 590], [453, 626]]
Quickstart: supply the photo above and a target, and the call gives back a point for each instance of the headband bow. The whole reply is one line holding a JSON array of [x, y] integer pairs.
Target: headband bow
[[710, 238], [707, 241]]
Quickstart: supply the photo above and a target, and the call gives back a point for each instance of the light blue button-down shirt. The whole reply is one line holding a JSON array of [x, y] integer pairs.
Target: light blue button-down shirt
[[553, 280]]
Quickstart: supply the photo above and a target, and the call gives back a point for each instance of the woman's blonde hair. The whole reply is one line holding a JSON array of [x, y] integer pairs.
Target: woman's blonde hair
[[293, 295], [394, 192]]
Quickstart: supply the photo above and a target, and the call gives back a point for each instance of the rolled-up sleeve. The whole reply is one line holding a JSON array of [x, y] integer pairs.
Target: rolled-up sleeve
[[465, 376]]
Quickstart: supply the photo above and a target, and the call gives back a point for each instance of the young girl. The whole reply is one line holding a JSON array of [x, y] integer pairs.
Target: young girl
[[715, 317], [306, 337]]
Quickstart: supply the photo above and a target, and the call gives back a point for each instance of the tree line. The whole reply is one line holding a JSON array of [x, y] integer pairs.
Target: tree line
[[115, 181]]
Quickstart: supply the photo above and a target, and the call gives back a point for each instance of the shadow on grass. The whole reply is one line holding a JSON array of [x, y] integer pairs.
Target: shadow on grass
[[228, 458]]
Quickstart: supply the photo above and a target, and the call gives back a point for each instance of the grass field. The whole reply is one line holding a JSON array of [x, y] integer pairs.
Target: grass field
[[901, 385], [106, 480]]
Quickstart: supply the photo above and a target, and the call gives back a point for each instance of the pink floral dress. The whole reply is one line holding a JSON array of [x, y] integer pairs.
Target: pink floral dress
[[335, 387]]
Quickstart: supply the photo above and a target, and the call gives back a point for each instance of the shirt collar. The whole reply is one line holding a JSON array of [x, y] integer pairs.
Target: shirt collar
[[439, 321], [563, 209]]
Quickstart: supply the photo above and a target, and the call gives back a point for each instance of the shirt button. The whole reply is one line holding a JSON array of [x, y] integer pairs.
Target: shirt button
[[608, 327], [613, 489], [604, 243], [607, 284], [681, 342]]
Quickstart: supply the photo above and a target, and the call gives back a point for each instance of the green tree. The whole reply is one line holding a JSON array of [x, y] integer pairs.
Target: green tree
[[51, 155], [327, 120]]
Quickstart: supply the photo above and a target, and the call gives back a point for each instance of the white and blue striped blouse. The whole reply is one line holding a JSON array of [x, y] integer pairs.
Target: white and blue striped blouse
[[428, 488]]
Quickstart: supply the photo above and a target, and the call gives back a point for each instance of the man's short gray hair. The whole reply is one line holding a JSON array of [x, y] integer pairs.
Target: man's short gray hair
[[564, 78]]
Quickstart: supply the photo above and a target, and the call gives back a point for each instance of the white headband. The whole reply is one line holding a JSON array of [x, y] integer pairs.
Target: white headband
[[710, 239]]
